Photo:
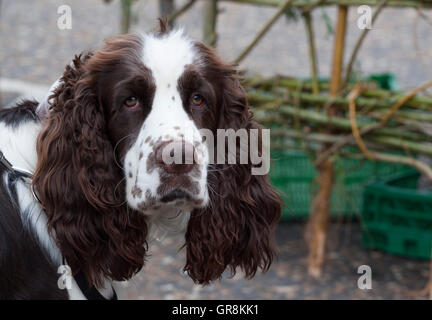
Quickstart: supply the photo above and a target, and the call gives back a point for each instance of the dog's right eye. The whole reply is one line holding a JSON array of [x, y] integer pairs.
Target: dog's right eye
[[131, 103], [197, 100]]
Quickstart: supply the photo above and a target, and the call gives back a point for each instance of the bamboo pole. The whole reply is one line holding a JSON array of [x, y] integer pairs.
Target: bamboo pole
[[372, 104], [419, 4], [284, 5], [312, 51], [126, 13], [316, 229], [421, 102], [339, 48], [390, 113], [401, 139], [210, 20], [257, 96]]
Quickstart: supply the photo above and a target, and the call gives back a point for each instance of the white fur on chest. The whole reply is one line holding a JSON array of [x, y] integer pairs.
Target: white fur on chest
[[18, 144]]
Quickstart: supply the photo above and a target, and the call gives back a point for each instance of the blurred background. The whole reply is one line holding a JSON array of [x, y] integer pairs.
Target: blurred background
[[349, 201]]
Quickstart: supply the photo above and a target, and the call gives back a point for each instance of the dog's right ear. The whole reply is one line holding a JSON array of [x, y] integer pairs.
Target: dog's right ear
[[79, 184]]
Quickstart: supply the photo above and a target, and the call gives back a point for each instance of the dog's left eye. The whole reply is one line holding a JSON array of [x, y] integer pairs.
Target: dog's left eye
[[197, 100], [131, 102]]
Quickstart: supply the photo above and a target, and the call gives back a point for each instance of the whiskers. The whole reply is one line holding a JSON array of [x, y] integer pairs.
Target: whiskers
[[165, 224], [134, 135], [115, 192]]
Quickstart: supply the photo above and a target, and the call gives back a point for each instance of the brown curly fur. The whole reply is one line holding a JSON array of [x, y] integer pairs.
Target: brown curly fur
[[237, 228], [80, 185]]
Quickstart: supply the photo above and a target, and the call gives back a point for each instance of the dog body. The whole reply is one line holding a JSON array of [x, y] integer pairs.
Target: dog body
[[103, 151], [29, 256]]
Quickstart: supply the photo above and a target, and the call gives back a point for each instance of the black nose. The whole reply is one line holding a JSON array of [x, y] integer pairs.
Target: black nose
[[176, 157]]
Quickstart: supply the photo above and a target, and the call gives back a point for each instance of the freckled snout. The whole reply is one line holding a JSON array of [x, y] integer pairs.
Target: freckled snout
[[176, 157]]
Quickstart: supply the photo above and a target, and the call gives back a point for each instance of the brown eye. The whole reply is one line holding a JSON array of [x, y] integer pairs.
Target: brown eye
[[131, 102], [197, 100]]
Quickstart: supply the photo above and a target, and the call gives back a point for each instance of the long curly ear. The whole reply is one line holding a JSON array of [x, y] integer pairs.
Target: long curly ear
[[80, 185], [237, 228]]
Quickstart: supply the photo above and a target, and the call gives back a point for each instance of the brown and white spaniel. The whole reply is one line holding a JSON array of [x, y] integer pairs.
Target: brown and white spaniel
[[101, 187]]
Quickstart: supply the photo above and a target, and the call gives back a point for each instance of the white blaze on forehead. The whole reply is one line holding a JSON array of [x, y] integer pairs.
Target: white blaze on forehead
[[167, 55]]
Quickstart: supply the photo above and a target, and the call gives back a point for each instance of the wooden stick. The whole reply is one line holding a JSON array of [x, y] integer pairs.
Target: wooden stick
[[180, 11], [360, 40], [125, 15], [263, 31], [421, 102], [210, 19], [335, 82], [352, 115], [419, 165], [259, 96], [312, 51], [403, 100], [305, 3], [316, 229], [391, 136], [372, 127]]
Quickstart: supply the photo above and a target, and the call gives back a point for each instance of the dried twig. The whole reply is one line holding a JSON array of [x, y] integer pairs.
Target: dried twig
[[180, 11], [360, 40], [312, 51], [306, 3], [210, 19], [419, 165], [337, 146], [404, 99], [352, 115], [126, 14], [263, 31]]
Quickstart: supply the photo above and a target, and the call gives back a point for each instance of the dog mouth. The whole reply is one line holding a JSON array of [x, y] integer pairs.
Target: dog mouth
[[181, 199], [172, 200], [176, 195]]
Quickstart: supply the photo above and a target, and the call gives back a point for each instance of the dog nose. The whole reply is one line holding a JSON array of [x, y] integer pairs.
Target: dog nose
[[176, 157]]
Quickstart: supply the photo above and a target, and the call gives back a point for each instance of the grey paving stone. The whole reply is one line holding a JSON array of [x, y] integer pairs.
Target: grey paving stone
[[34, 49]]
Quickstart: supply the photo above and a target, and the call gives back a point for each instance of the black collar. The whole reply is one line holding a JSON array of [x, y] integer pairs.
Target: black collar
[[12, 169], [5, 163], [90, 292]]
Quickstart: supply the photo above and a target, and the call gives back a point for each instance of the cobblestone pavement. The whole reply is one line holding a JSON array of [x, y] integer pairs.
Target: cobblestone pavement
[[392, 277], [33, 49]]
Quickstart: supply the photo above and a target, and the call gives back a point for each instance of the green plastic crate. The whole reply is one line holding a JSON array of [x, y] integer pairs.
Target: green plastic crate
[[294, 175], [397, 218]]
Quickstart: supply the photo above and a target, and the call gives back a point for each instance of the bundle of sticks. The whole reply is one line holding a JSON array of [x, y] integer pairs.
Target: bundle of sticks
[[370, 123]]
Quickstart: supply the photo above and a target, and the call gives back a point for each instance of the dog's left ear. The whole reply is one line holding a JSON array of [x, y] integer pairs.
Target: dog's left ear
[[237, 228]]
